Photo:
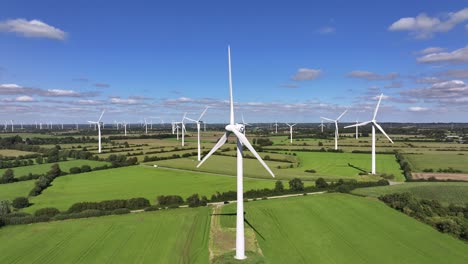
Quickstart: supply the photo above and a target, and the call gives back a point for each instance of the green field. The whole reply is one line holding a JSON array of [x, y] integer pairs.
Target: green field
[[135, 181], [331, 166], [438, 160], [13, 152], [10, 191], [170, 236], [338, 228], [45, 167], [444, 192]]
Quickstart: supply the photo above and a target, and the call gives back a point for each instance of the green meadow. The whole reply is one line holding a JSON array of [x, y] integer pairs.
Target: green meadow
[[135, 181], [169, 236], [444, 192], [10, 191], [338, 228], [438, 160]]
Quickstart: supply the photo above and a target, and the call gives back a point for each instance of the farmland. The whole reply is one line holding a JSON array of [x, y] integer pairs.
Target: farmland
[[336, 228], [13, 190], [45, 167], [170, 236], [439, 160], [13, 152], [444, 192], [135, 181]]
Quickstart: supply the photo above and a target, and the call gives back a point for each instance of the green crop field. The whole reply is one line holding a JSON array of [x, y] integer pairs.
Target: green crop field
[[45, 167], [169, 236], [444, 192], [13, 152], [338, 228], [135, 181], [439, 160], [10, 191]]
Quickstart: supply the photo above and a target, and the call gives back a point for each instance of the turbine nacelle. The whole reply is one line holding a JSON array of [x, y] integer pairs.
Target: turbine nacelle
[[237, 127]]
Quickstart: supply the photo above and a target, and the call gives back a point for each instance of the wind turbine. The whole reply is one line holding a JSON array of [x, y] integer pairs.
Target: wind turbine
[[321, 126], [244, 123], [198, 130], [176, 125], [237, 130], [183, 129], [146, 126], [374, 124], [336, 126], [124, 124], [98, 124], [357, 130], [12, 126], [276, 127], [290, 130]]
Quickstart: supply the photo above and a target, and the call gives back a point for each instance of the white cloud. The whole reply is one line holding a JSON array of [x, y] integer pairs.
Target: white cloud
[[117, 100], [462, 73], [9, 85], [33, 29], [304, 74], [418, 109], [372, 76], [394, 84], [60, 93], [424, 26], [428, 80], [446, 89], [456, 56], [88, 102], [431, 50], [327, 30], [24, 98]]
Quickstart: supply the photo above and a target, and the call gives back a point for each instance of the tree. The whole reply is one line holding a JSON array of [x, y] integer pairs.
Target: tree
[[5, 207], [20, 202], [8, 176], [39, 160], [54, 171], [85, 168], [279, 187], [75, 170], [321, 183], [296, 184]]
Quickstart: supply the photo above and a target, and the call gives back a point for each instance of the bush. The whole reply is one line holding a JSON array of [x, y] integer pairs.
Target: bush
[[121, 211], [75, 170], [8, 176], [85, 168], [152, 208], [169, 200], [20, 202], [137, 203], [195, 201], [279, 187], [49, 212], [321, 183], [296, 184], [310, 171]]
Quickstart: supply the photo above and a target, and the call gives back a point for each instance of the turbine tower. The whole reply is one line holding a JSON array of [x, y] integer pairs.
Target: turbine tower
[[374, 124], [183, 129], [336, 126], [321, 126], [291, 130], [98, 124], [12, 126], [276, 127], [237, 130], [198, 121]]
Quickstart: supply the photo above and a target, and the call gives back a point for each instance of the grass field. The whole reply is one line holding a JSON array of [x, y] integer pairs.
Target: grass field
[[338, 228], [444, 192], [438, 160], [45, 167], [13, 152], [170, 236], [135, 181], [10, 191]]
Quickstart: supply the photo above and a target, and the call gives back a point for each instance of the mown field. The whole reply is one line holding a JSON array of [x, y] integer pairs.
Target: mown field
[[444, 192], [438, 160], [13, 152], [169, 236], [12, 190], [338, 228], [135, 181], [45, 167]]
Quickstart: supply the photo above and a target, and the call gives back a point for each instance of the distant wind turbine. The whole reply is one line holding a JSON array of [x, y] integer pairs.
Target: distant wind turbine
[[374, 124], [237, 130], [336, 127], [98, 124], [291, 130], [198, 121]]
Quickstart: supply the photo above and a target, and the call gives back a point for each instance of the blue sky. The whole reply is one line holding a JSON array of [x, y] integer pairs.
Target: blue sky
[[292, 62]]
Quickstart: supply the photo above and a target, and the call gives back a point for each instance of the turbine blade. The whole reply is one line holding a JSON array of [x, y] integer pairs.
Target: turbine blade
[[287, 124], [294, 124], [377, 107], [193, 120], [101, 115], [328, 119], [202, 114], [360, 124], [221, 142], [246, 143], [383, 132], [230, 88], [342, 115]]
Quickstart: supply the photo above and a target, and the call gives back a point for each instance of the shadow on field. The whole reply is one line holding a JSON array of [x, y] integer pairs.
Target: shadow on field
[[357, 168], [245, 221]]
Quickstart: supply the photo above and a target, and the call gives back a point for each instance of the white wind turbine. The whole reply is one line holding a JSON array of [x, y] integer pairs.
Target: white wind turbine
[[12, 126], [198, 121], [321, 126], [98, 124], [374, 124], [244, 123], [357, 130], [183, 129], [290, 130], [124, 124], [336, 127], [237, 130], [146, 126], [276, 127]]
